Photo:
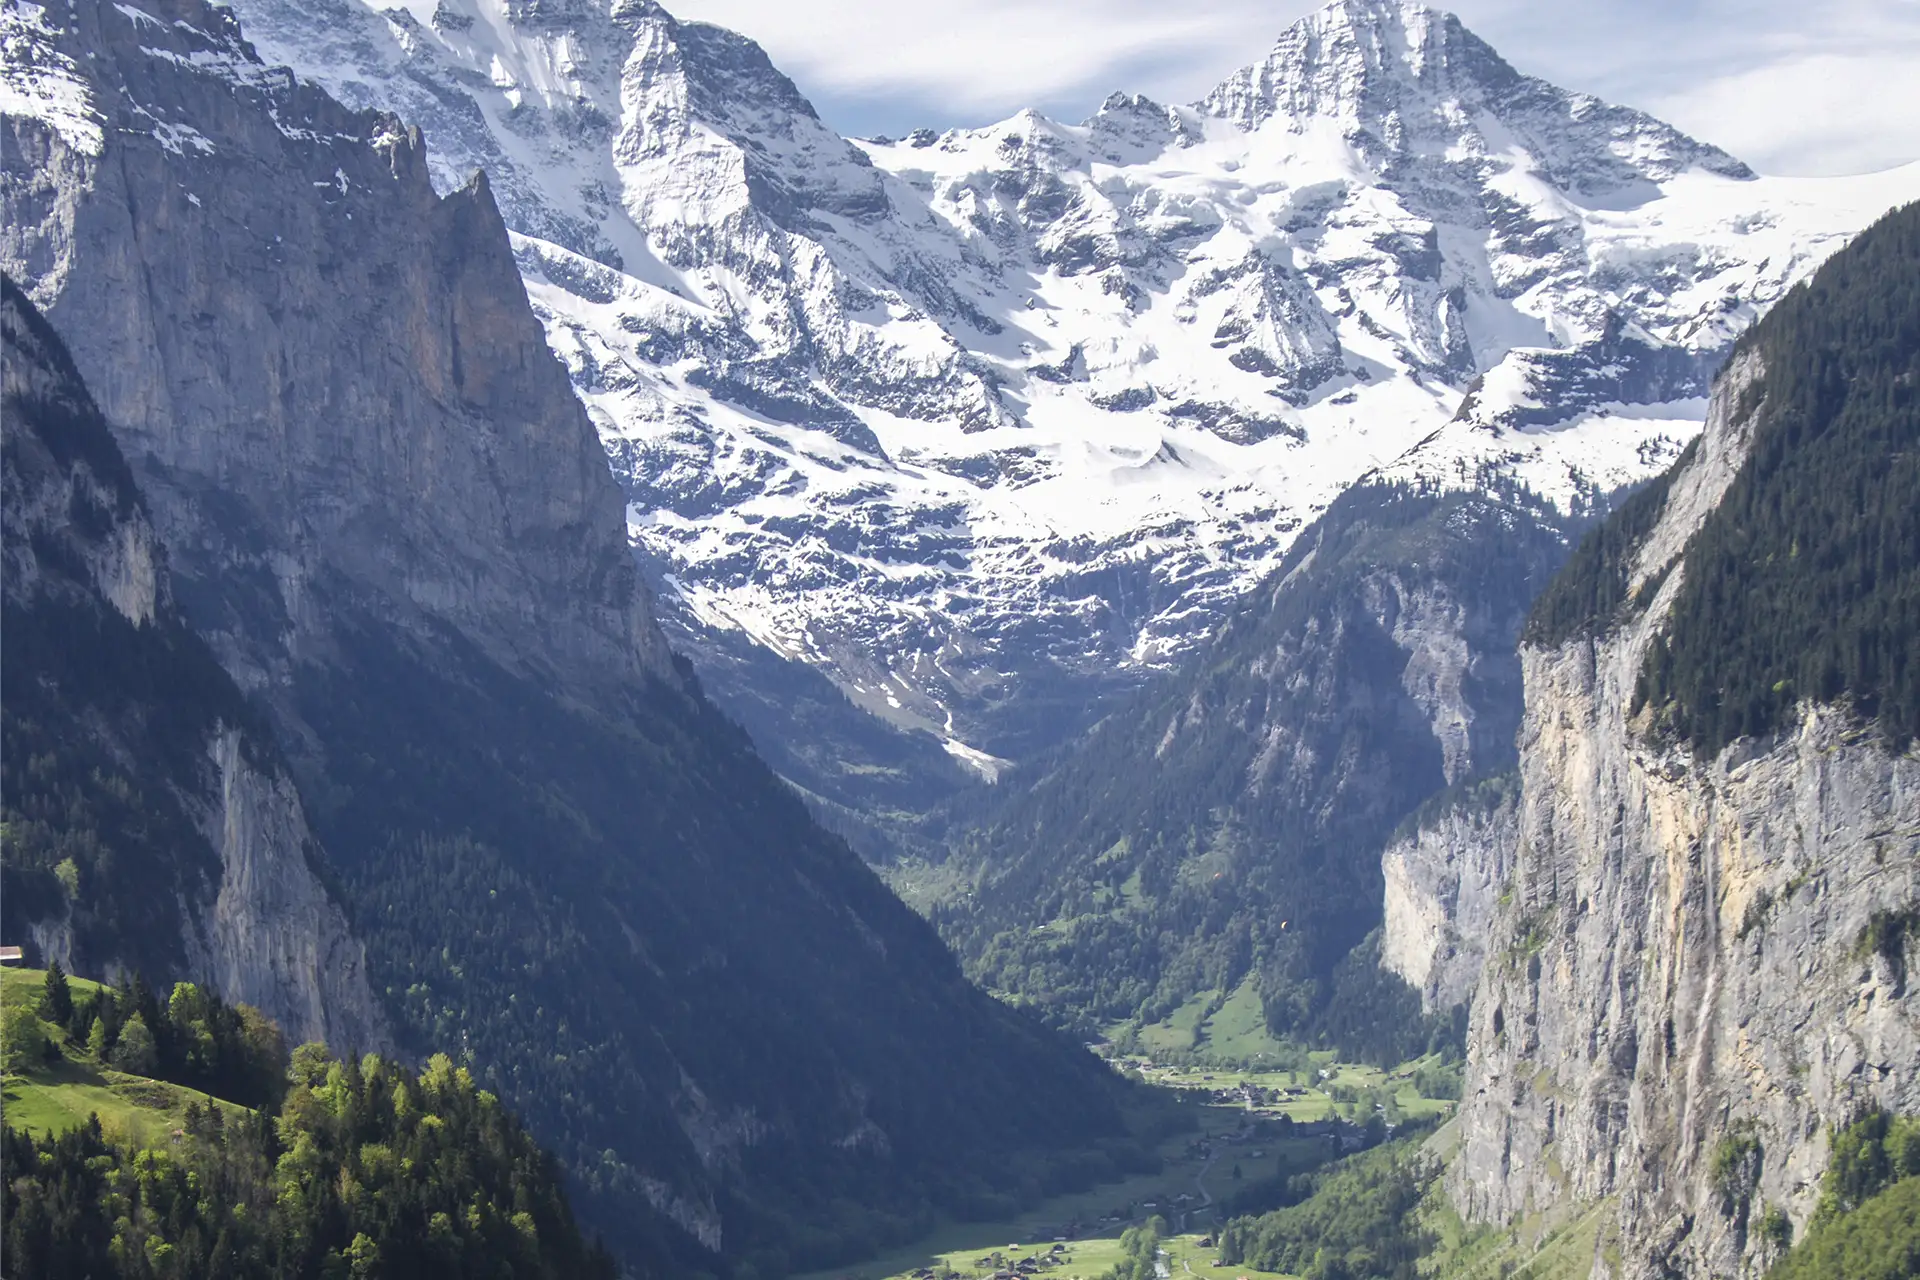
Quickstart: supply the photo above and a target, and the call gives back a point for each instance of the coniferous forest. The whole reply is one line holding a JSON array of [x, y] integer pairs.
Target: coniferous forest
[[1803, 584], [275, 1166], [368, 1170]]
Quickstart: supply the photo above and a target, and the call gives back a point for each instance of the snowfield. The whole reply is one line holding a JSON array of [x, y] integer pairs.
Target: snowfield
[[991, 420]]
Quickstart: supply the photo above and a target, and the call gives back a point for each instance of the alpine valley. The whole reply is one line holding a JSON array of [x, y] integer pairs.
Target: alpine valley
[[711, 662]]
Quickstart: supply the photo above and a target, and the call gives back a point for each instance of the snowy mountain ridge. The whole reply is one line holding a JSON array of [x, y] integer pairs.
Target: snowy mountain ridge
[[980, 423]]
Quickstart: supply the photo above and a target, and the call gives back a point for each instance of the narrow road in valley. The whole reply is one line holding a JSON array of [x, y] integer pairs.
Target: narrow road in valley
[[1199, 1185]]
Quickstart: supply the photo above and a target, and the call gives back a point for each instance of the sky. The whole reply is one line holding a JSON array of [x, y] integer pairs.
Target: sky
[[1791, 86]]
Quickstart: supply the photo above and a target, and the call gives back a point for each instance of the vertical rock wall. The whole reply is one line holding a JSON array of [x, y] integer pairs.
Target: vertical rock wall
[[248, 915], [1443, 883], [1681, 963]]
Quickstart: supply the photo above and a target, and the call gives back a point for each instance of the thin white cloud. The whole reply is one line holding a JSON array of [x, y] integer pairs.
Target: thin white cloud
[[1822, 86], [1825, 114], [985, 59]]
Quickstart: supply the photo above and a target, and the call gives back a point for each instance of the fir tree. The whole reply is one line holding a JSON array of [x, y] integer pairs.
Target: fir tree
[[56, 1005]]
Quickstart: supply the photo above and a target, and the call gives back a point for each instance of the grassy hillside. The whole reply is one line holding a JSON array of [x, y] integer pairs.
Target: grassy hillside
[[49, 1093]]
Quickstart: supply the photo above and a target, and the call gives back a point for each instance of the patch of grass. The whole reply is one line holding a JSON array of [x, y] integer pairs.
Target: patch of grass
[[22, 988], [1198, 1149], [1238, 1029], [1348, 1090], [1181, 1030], [1556, 1244], [1231, 1133], [1087, 1259], [59, 1094]]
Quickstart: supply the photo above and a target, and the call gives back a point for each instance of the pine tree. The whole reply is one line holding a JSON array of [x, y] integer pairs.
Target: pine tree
[[56, 1005]]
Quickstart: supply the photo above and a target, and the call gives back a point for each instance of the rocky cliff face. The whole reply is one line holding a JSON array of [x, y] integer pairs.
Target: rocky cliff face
[[225, 842], [1442, 884], [1684, 964], [337, 398], [273, 936]]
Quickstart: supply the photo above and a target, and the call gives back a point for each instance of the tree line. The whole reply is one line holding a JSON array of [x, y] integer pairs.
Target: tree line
[[1867, 1224], [1359, 1219], [1803, 583], [193, 1038]]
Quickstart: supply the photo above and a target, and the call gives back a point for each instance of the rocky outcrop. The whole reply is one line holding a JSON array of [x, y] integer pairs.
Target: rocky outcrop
[[222, 888], [1682, 993], [273, 937], [1443, 879]]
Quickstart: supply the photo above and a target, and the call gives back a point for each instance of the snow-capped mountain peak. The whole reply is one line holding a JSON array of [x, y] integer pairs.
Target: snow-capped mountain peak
[[1355, 60], [686, 81], [980, 422], [1409, 83]]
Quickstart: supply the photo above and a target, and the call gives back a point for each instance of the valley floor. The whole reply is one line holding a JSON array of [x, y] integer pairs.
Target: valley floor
[[1217, 1143]]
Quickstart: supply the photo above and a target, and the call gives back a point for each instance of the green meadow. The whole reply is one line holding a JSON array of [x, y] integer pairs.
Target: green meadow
[[49, 1095], [1218, 1147]]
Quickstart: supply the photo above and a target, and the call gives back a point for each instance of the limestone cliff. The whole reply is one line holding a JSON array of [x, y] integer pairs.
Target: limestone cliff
[[1444, 873], [150, 825], [1682, 992], [273, 936], [327, 376]]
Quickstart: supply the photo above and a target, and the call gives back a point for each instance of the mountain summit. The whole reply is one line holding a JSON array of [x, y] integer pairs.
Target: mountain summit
[[1409, 81]]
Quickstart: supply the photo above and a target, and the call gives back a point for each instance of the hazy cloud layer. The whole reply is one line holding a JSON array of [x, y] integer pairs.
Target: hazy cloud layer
[[1819, 86]]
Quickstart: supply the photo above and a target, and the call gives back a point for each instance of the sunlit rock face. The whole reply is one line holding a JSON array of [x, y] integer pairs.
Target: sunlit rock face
[[1676, 957]]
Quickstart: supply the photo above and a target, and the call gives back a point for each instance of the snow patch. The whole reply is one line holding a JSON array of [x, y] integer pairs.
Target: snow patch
[[38, 82]]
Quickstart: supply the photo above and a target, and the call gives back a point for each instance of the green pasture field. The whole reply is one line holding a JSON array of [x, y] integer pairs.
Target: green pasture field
[[1198, 1162], [59, 1095]]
